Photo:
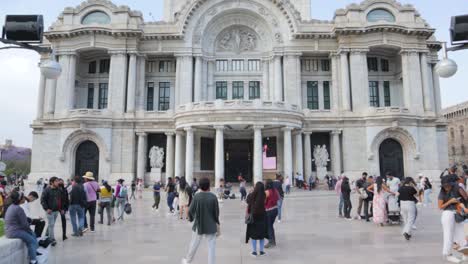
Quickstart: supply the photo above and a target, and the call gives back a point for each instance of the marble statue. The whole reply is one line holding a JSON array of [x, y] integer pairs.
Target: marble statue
[[321, 158], [156, 157]]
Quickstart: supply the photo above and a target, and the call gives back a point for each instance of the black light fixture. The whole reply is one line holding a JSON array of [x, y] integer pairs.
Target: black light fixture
[[24, 28], [459, 30]]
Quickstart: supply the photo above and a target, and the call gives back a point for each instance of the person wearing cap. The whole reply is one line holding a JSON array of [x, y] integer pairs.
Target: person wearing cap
[[449, 197], [91, 188], [51, 200]]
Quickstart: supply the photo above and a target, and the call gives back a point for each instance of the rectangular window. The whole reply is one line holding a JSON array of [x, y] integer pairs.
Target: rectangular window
[[150, 66], [312, 95], [326, 95], [165, 66], [387, 97], [164, 96], [325, 65], [372, 64], [254, 65], [150, 97], [90, 101], [222, 65], [254, 90], [374, 94], [92, 67], [237, 90], [384, 65], [237, 65], [104, 66], [221, 90], [102, 95], [310, 65]]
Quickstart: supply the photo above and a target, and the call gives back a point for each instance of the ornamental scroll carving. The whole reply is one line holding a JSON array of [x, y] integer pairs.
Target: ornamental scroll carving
[[237, 39]]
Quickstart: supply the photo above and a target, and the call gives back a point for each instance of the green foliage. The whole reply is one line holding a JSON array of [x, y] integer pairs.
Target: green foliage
[[2, 228], [22, 167]]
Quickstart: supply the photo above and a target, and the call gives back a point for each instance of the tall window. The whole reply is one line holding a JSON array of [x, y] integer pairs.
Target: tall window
[[102, 95], [387, 97], [372, 64], [104, 66], [237, 65], [452, 133], [312, 95], [237, 90], [454, 152], [90, 101], [164, 96], [221, 90], [374, 93], [463, 150], [325, 65], [254, 65], [254, 90], [222, 65], [150, 97], [309, 65], [165, 66], [384, 65], [462, 133], [92, 67], [326, 95]]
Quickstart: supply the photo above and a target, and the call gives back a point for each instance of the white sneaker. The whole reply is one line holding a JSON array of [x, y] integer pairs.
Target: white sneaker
[[453, 259], [414, 227], [279, 221], [184, 261]]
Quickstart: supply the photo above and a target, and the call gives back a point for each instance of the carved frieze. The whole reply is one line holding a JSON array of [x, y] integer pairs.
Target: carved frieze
[[238, 40]]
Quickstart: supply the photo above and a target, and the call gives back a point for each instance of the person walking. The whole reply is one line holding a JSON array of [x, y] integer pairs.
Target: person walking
[[346, 193], [156, 195], [91, 188], [340, 195], [271, 207], [379, 203], [17, 226], [278, 185], [242, 189], [368, 201], [194, 186], [105, 203], [140, 188], [78, 203], [184, 198], [65, 202], [361, 192], [204, 213], [133, 190], [427, 187], [287, 184], [170, 190], [121, 192], [257, 227], [51, 203], [407, 198]]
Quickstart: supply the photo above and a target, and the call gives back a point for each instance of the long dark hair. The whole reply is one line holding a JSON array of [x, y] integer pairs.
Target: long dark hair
[[409, 181], [108, 187], [257, 199], [379, 183], [269, 184], [182, 184]]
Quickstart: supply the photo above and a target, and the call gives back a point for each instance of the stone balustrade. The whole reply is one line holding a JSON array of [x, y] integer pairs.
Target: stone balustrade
[[237, 104], [13, 251]]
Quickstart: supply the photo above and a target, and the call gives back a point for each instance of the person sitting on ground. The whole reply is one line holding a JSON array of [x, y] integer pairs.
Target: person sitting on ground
[[17, 226], [38, 223]]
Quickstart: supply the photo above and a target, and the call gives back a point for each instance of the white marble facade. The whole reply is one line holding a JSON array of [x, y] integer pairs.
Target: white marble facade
[[244, 69]]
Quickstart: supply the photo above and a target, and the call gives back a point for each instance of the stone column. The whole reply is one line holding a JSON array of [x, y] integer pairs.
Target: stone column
[[412, 85], [141, 155], [292, 79], [287, 153], [117, 82], [141, 84], [219, 155], [204, 86], [436, 85], [41, 96], [179, 155], [345, 89], [198, 79], [307, 156], [258, 154], [189, 154], [299, 162], [169, 155], [265, 81], [278, 96], [210, 77], [131, 83], [425, 76], [66, 84], [178, 84], [336, 152], [71, 83], [185, 78], [334, 85], [52, 89], [359, 80]]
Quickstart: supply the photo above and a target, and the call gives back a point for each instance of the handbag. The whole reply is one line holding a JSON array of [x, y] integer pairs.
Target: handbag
[[249, 217], [363, 194], [128, 208]]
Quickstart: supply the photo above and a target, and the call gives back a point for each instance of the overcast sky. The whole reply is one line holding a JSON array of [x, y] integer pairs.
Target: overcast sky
[[19, 74]]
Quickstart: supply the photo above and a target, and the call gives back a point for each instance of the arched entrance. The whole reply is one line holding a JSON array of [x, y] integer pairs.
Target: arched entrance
[[87, 159], [391, 157]]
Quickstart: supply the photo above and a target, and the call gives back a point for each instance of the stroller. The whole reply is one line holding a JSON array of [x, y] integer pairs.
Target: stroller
[[394, 216]]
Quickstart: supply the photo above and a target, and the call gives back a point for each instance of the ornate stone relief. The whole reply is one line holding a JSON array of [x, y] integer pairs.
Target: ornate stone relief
[[237, 39]]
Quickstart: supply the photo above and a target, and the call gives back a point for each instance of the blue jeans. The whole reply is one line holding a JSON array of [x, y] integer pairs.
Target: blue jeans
[[271, 216], [76, 211], [280, 207], [51, 218], [340, 205], [29, 238], [427, 198], [254, 245], [170, 200]]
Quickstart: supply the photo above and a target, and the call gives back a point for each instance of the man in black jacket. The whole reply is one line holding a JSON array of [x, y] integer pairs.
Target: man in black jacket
[[278, 185], [65, 203], [51, 201], [77, 204]]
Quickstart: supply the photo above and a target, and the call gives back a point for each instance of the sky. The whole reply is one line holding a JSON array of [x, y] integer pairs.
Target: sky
[[19, 74]]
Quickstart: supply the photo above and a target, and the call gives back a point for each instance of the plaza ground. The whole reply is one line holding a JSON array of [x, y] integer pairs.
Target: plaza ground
[[309, 233]]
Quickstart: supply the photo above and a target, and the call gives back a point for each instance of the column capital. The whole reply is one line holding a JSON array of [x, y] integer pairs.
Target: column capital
[[409, 51], [287, 128], [258, 127], [307, 133], [359, 51], [189, 129], [180, 133], [334, 54], [336, 132], [142, 134], [119, 52], [183, 55], [66, 53], [219, 127], [297, 132], [169, 134]]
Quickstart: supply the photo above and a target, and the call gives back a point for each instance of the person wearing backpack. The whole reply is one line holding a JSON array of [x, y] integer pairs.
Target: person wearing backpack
[[121, 192]]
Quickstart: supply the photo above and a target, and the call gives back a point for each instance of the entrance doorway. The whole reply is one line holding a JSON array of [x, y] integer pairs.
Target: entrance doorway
[[391, 158], [238, 159], [87, 159]]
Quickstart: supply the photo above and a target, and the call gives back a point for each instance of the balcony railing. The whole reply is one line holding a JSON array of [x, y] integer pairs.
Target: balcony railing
[[237, 104]]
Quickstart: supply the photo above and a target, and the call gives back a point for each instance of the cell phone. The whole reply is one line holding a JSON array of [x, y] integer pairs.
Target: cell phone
[[459, 198]]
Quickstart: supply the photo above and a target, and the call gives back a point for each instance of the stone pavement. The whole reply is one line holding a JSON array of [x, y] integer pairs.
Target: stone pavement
[[310, 233]]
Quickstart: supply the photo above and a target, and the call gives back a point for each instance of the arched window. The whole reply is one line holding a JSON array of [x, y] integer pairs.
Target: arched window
[[380, 14], [454, 152], [96, 17]]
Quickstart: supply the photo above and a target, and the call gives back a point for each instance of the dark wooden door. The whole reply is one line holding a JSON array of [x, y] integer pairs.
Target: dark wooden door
[[238, 158], [87, 159], [391, 158]]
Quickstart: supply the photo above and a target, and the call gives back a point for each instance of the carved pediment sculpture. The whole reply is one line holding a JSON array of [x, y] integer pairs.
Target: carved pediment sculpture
[[237, 39]]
